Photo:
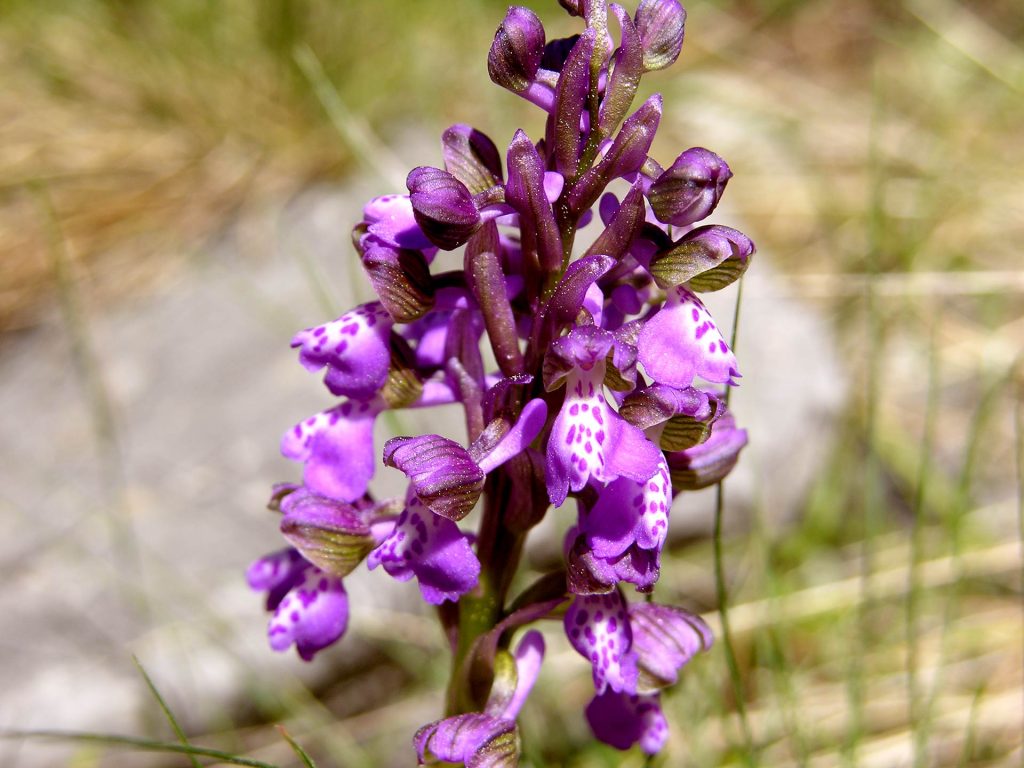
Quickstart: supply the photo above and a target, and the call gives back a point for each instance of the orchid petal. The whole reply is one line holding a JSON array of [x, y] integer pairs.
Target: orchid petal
[[433, 549], [401, 280], [529, 655], [690, 188], [390, 219], [707, 463], [275, 574], [629, 512], [473, 739], [443, 207], [682, 342], [332, 535], [665, 638], [527, 427], [443, 474], [337, 448], [312, 616], [589, 574], [622, 720], [598, 628], [471, 157], [354, 348]]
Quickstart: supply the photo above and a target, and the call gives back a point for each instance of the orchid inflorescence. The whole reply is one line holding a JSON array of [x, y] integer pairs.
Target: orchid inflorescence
[[594, 382]]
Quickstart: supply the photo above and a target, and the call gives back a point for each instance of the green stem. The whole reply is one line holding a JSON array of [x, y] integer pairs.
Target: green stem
[[720, 581], [499, 550], [915, 702]]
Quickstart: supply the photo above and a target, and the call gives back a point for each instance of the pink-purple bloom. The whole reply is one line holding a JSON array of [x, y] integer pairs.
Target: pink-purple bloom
[[590, 373], [488, 739], [431, 548], [353, 348], [310, 607]]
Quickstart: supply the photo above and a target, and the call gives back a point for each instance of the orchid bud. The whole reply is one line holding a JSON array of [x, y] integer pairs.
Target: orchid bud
[[570, 100], [443, 207], [330, 534], [661, 24], [517, 49], [624, 156], [708, 258], [690, 188], [665, 638], [471, 157], [525, 193], [625, 76], [709, 462]]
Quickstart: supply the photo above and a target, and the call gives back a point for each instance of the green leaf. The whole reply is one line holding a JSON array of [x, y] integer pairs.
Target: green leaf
[[166, 709], [298, 750]]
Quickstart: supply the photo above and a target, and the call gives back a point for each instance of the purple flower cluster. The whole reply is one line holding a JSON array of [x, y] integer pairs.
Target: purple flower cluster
[[581, 371]]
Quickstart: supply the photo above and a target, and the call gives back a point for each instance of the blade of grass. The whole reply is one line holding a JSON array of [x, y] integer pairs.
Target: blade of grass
[[1018, 429], [147, 745], [772, 644], [165, 708], [966, 33], [721, 588], [317, 282], [972, 727], [918, 725], [873, 328], [123, 540], [368, 150], [298, 750], [955, 524]]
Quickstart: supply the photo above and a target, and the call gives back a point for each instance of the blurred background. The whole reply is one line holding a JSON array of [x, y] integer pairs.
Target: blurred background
[[178, 180]]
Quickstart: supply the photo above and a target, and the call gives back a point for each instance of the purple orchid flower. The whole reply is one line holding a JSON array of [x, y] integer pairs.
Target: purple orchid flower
[[354, 348], [575, 369], [310, 606], [623, 719], [431, 548], [682, 342], [589, 439], [337, 448], [487, 739]]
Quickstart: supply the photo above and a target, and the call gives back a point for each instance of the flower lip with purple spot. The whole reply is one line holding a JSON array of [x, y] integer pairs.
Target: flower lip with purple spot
[[354, 349], [598, 628], [681, 343], [431, 548]]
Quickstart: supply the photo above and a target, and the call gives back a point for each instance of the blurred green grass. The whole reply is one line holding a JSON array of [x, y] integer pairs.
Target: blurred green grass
[[877, 149]]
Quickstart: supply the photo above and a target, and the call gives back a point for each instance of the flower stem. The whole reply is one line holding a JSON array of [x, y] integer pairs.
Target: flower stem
[[499, 549]]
